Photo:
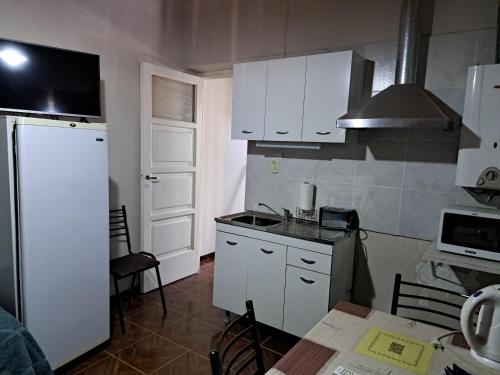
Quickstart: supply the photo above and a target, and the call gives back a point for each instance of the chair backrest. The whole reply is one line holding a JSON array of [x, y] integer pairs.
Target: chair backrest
[[250, 353], [118, 226], [438, 299]]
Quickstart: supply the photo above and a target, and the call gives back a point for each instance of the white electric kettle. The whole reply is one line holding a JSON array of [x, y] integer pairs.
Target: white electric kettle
[[484, 340]]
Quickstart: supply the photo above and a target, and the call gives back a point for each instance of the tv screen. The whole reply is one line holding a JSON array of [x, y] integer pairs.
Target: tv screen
[[55, 81]]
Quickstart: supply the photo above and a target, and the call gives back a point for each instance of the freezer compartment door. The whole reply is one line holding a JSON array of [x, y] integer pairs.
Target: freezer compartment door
[[64, 239]]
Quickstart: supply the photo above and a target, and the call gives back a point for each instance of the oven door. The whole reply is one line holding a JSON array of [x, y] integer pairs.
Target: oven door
[[471, 235]]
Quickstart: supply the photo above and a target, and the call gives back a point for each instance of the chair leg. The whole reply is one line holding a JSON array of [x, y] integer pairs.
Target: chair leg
[[119, 303], [160, 288], [132, 284]]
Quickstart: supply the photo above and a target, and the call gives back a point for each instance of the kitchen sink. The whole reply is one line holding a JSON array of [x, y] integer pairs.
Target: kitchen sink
[[258, 221]]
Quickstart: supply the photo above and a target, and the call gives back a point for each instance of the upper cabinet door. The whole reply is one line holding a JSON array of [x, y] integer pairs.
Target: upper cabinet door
[[328, 80], [285, 99], [249, 100]]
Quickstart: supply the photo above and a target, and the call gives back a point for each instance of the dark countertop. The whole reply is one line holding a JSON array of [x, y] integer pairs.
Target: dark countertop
[[292, 228]]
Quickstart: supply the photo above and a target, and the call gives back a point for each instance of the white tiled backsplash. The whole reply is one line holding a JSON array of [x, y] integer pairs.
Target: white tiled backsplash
[[397, 179]]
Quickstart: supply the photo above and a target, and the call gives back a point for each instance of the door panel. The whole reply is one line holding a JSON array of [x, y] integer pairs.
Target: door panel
[[326, 96], [171, 235], [266, 281], [172, 147], [306, 300], [249, 100], [230, 274], [170, 171], [174, 191], [285, 99]]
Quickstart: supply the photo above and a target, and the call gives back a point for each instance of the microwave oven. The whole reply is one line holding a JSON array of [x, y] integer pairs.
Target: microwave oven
[[470, 231]]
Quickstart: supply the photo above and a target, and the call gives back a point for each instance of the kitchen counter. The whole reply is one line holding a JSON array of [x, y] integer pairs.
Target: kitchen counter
[[292, 228]]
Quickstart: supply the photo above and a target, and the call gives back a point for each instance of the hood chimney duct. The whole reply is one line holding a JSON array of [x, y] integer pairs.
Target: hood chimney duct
[[408, 42]]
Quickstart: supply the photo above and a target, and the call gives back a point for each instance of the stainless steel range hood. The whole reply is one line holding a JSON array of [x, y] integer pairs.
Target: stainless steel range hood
[[404, 104]]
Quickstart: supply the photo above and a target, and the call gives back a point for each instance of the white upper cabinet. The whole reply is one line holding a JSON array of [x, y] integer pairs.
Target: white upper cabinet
[[333, 84], [296, 99], [285, 99], [249, 100]]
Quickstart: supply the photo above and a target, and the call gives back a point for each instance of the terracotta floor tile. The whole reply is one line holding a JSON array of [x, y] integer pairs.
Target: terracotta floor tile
[[154, 319], [110, 366], [188, 364], [202, 308], [188, 332], [119, 340], [178, 299], [209, 344], [85, 362], [151, 353], [207, 271], [191, 282], [206, 289]]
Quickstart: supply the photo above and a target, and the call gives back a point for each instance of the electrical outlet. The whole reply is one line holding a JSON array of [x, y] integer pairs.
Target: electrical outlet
[[274, 167]]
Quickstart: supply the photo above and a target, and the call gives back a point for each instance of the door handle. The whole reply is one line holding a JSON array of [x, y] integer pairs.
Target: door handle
[[281, 133], [153, 179], [246, 132], [267, 251], [307, 281], [231, 243], [307, 261], [322, 133]]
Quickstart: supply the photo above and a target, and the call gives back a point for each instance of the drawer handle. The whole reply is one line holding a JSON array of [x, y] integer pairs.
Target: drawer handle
[[307, 261], [231, 243], [281, 133], [246, 132], [267, 251], [307, 281], [322, 133]]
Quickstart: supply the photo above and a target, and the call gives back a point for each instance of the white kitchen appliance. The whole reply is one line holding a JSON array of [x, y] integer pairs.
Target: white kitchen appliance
[[478, 162], [484, 339], [470, 231], [54, 244]]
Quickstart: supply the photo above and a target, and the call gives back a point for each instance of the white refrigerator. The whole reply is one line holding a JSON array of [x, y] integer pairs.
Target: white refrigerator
[[54, 232]]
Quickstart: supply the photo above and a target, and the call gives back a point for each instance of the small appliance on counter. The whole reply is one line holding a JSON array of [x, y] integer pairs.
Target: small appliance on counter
[[470, 231], [484, 339], [338, 218]]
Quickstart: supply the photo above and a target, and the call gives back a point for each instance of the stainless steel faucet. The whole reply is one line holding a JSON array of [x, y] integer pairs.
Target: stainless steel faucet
[[286, 213]]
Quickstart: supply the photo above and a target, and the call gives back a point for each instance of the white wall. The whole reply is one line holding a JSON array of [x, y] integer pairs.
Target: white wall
[[224, 161], [123, 33]]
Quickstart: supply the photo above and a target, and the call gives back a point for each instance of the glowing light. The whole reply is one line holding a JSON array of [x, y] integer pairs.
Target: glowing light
[[12, 57]]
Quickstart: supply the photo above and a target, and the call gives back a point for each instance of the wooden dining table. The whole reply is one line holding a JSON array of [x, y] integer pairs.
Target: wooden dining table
[[331, 345]]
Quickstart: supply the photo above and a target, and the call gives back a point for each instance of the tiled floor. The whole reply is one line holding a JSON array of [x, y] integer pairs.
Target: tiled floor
[[177, 343]]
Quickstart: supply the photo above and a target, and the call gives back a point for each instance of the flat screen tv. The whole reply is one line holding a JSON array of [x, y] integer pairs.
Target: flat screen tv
[[46, 80]]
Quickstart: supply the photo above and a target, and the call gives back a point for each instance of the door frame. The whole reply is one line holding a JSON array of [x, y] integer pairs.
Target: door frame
[[147, 70]]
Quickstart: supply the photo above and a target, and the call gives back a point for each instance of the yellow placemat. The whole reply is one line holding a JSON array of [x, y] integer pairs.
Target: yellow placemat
[[401, 351]]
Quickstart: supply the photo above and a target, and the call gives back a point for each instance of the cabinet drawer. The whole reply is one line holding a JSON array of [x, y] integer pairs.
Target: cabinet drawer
[[306, 300], [309, 260]]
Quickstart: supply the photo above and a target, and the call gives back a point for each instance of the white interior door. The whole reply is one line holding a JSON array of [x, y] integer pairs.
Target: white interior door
[[171, 131]]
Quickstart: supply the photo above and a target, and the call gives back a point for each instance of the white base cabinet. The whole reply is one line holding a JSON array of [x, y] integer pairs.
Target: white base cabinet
[[293, 283]]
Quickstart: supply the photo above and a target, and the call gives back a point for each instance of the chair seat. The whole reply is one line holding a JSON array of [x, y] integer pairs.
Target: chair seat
[[130, 264]]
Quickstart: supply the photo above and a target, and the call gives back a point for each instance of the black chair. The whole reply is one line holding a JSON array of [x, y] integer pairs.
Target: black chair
[[218, 357], [436, 291], [131, 264]]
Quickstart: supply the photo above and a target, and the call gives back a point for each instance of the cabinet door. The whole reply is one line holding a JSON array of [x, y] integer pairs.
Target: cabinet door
[[285, 99], [266, 281], [249, 100], [326, 99], [306, 300], [230, 274]]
